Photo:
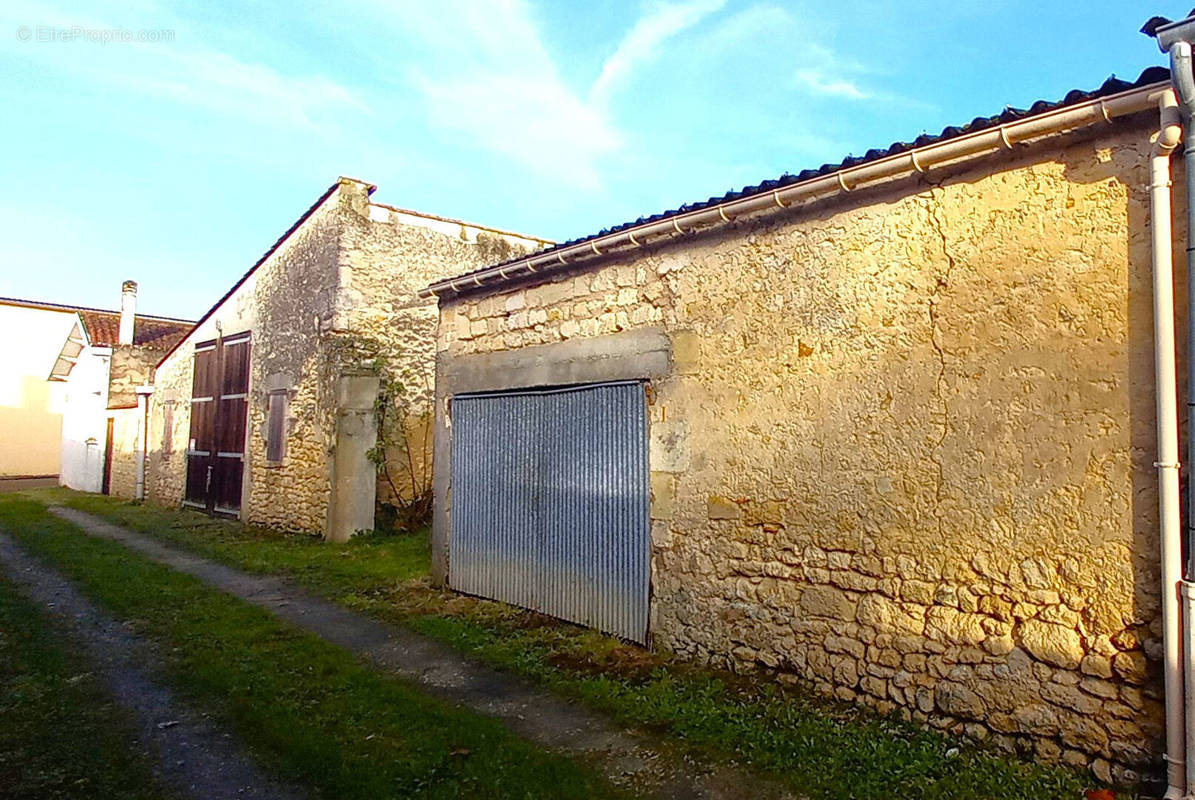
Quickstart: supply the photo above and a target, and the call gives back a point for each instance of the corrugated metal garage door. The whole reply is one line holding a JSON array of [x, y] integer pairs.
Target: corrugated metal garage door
[[550, 503]]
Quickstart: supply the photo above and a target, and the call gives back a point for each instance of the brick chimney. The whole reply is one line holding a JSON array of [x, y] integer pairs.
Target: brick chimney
[[128, 310]]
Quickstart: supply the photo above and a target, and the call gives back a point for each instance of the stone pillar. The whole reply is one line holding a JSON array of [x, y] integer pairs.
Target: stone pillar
[[354, 476]]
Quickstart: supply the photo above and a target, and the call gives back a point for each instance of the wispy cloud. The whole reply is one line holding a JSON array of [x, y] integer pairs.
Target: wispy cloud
[[227, 86], [745, 27], [490, 78], [819, 83], [644, 40], [502, 89], [485, 73], [827, 73], [189, 75], [534, 119]]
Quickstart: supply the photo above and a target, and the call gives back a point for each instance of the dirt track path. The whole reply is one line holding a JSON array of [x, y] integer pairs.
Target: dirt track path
[[625, 757], [194, 757]]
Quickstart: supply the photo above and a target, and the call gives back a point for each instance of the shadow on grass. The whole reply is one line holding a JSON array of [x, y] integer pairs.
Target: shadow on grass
[[818, 746], [308, 709]]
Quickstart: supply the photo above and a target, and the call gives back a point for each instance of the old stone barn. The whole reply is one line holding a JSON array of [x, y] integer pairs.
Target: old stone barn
[[887, 426], [268, 409]]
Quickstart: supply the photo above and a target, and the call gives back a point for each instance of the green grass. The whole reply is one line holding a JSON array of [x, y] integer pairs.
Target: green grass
[[61, 734], [309, 710], [821, 748], [374, 561]]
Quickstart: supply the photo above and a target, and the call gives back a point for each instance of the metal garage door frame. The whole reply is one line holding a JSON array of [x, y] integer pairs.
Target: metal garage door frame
[[551, 502]]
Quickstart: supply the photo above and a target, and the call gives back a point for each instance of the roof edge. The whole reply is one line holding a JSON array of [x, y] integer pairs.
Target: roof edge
[[465, 223], [69, 309], [1112, 100], [323, 198], [79, 326]]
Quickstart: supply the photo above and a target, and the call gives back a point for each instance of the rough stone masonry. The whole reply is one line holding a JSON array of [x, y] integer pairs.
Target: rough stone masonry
[[904, 449], [334, 297]]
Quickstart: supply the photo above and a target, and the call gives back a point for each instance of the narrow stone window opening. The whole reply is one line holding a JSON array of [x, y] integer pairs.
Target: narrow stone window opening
[[276, 403]]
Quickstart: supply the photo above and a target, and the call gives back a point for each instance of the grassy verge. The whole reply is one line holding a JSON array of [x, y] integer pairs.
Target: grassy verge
[[309, 710], [61, 735], [821, 748]]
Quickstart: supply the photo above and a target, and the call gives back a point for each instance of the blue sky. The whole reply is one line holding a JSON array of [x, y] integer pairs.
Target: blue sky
[[178, 163]]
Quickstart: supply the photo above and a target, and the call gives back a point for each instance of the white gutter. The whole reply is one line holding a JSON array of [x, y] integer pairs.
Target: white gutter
[[1166, 383], [960, 148]]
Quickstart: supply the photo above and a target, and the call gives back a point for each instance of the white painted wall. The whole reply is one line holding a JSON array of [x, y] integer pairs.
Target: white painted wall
[[30, 406], [84, 421]]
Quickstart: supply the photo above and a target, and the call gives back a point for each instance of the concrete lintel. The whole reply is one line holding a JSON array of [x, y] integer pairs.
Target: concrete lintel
[[278, 381], [643, 353], [640, 354]]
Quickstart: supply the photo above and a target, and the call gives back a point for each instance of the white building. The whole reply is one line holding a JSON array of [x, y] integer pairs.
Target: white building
[[84, 422], [100, 362]]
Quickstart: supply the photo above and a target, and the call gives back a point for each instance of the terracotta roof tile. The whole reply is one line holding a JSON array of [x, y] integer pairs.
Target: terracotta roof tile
[[103, 329]]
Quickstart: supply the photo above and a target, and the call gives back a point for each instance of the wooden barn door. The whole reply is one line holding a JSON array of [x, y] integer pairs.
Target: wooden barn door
[[219, 406]]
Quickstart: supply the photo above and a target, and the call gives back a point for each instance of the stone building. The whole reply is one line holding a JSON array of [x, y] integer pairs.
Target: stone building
[[900, 425], [267, 410]]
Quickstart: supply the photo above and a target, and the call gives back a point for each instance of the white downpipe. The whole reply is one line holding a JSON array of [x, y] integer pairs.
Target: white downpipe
[[1166, 383], [143, 396], [1188, 613]]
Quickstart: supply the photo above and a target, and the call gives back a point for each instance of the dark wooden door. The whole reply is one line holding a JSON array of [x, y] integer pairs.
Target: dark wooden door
[[219, 406], [107, 485]]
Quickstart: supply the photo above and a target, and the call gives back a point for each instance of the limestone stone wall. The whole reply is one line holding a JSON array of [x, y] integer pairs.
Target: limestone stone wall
[[294, 308], [166, 469], [906, 448], [125, 429], [287, 306], [131, 366], [387, 256], [339, 293]]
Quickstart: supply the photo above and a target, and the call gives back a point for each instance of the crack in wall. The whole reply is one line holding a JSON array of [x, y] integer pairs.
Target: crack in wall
[[934, 211]]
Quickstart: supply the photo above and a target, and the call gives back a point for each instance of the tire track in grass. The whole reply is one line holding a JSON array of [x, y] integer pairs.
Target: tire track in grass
[[308, 710], [625, 757], [826, 748], [62, 735], [195, 758]]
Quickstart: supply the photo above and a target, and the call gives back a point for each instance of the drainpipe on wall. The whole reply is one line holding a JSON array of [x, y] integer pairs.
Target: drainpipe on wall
[[1174, 38], [1184, 81], [1166, 383], [143, 394]]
